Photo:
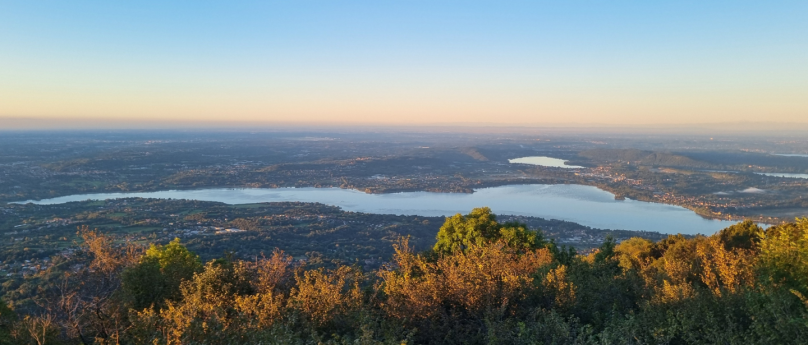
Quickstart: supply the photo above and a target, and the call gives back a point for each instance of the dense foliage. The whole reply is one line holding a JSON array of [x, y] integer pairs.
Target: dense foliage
[[484, 283], [479, 227]]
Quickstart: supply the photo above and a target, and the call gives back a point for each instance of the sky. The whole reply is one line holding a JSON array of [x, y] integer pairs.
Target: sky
[[490, 63]]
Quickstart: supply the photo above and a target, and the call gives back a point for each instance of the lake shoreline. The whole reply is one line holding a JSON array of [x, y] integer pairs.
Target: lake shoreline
[[706, 214], [551, 201]]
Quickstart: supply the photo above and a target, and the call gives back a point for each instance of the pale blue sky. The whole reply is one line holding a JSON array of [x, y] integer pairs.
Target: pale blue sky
[[410, 62]]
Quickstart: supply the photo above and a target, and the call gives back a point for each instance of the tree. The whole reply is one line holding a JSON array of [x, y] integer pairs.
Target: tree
[[783, 258], [606, 250], [634, 253], [480, 227], [744, 235], [85, 302], [7, 318], [159, 273]]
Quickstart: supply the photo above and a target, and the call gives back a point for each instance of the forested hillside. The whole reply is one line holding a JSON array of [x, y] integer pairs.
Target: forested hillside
[[642, 157], [484, 282]]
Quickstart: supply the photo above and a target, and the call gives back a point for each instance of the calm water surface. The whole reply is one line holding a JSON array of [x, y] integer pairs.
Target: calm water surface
[[544, 161], [791, 155], [581, 204], [785, 175]]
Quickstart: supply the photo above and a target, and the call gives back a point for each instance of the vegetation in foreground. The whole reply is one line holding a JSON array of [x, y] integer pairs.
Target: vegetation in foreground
[[484, 282]]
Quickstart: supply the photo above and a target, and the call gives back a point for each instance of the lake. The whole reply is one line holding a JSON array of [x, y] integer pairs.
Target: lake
[[791, 155], [787, 175], [544, 161], [585, 205]]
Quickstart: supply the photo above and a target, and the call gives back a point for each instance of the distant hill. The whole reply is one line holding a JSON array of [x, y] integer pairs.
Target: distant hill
[[735, 160], [473, 153], [642, 157]]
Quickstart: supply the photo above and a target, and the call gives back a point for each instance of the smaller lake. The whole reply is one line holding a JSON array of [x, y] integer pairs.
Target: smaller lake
[[544, 161], [786, 175], [791, 155], [584, 205]]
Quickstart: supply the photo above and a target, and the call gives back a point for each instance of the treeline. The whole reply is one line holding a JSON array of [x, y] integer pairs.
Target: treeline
[[484, 282]]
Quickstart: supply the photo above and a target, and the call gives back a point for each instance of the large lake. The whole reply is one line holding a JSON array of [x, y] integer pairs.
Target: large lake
[[576, 203]]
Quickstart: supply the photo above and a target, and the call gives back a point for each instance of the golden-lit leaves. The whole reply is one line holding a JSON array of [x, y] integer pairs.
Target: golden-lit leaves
[[783, 258], [107, 257], [557, 282], [669, 292], [634, 253], [320, 293], [228, 302], [722, 269], [271, 273], [260, 310], [479, 278]]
